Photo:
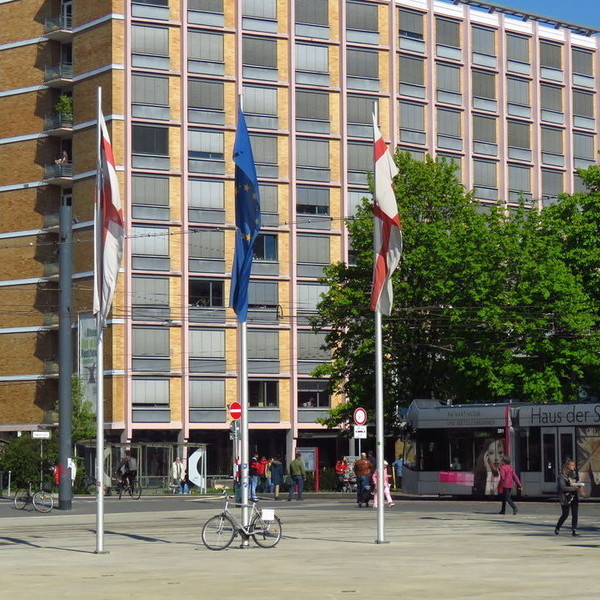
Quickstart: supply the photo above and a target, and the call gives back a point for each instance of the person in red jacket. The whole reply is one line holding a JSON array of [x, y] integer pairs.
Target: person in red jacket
[[508, 478], [341, 470]]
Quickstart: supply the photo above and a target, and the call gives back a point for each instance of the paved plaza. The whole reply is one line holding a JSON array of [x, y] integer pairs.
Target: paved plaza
[[437, 549]]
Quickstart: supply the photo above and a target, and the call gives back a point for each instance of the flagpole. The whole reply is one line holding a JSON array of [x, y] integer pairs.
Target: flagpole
[[99, 357], [378, 394], [245, 453]]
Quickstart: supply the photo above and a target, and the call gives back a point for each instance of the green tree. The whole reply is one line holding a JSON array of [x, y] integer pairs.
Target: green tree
[[484, 306]]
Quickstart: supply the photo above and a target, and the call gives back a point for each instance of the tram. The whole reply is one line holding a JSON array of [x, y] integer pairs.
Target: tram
[[456, 449]]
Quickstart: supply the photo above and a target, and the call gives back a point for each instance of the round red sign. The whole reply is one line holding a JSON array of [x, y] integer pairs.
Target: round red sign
[[235, 410], [360, 416]]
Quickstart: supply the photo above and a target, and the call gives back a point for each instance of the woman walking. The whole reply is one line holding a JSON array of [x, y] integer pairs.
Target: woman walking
[[508, 478], [569, 487]]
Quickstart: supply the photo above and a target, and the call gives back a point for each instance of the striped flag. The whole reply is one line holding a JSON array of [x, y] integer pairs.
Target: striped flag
[[109, 229], [387, 234]]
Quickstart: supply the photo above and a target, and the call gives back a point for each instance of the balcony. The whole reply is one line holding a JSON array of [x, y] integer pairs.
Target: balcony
[[59, 28], [59, 76], [59, 174], [59, 125]]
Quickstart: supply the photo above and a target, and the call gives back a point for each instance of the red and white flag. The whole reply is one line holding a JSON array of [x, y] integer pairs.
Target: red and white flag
[[388, 234], [109, 229]]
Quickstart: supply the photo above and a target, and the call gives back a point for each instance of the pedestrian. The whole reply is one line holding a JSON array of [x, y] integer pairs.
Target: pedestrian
[[363, 470], [276, 476], [569, 487], [399, 470], [386, 486], [341, 471], [297, 474], [508, 478], [254, 476], [267, 488], [177, 475]]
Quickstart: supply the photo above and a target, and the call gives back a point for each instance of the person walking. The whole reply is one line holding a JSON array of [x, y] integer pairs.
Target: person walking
[[569, 487], [254, 477], [399, 470], [508, 478], [177, 475], [363, 470], [276, 476], [297, 473], [386, 486], [341, 470]]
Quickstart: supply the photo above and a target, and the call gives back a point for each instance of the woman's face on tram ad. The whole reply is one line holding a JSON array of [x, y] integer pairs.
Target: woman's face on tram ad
[[493, 454]]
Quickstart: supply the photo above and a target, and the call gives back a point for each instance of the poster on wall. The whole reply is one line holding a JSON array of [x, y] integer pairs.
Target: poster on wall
[[87, 358]]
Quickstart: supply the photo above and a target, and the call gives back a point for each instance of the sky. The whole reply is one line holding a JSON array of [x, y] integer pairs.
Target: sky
[[583, 12]]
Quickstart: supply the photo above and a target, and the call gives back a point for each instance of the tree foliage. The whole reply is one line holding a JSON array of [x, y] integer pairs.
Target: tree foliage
[[486, 306]]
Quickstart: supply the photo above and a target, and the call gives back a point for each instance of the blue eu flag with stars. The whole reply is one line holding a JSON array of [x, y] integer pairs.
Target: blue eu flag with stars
[[247, 218]]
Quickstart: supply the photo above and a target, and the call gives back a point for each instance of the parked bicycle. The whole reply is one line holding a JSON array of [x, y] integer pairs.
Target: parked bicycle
[[124, 486], [264, 527], [41, 500]]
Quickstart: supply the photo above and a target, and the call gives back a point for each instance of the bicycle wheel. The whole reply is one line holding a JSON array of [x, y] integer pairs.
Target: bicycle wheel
[[218, 532], [21, 499], [136, 491], [43, 502], [266, 533]]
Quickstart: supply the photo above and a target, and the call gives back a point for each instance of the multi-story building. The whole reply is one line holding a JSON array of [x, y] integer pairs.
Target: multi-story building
[[512, 97]]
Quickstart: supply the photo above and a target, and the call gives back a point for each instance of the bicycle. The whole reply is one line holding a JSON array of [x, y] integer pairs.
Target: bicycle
[[124, 486], [41, 500], [264, 527]]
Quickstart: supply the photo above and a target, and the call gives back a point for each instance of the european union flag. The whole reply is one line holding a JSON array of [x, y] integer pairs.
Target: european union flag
[[247, 218]]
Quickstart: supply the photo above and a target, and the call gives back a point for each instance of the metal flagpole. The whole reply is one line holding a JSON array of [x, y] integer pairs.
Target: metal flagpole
[[378, 397], [99, 358], [245, 454]]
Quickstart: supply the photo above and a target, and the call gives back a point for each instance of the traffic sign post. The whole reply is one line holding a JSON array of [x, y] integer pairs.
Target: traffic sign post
[[235, 410], [360, 416], [360, 426]]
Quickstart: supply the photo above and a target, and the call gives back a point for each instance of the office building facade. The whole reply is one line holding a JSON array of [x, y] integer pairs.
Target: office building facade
[[511, 97]]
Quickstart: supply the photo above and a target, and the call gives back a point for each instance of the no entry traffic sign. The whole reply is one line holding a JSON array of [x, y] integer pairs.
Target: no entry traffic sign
[[360, 416], [235, 410]]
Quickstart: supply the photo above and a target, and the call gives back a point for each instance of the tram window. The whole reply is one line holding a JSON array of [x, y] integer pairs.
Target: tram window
[[461, 452], [434, 451], [530, 454], [566, 447]]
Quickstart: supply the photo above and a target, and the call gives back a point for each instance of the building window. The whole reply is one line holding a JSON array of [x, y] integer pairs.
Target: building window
[[312, 18], [205, 201], [150, 197], [449, 129], [484, 46], [552, 186], [312, 207], [583, 110], [551, 61], [206, 101], [207, 394], [312, 111], [313, 254], [150, 349], [269, 204], [206, 250], [519, 140], [205, 53], [484, 90], [552, 103], [150, 400], [360, 115], [265, 247], [412, 77], [260, 15], [263, 394], [312, 64], [583, 67], [205, 152], [312, 393], [264, 150], [150, 248], [447, 34], [519, 183], [150, 47], [309, 296], [485, 135], [263, 351], [411, 30], [206, 12], [583, 150], [262, 297], [149, 140], [207, 350], [412, 123], [312, 347], [485, 180], [518, 97], [552, 147], [312, 163], [362, 22], [260, 107], [517, 54], [150, 96], [360, 161], [259, 57], [205, 293], [150, 298], [363, 69], [448, 84]]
